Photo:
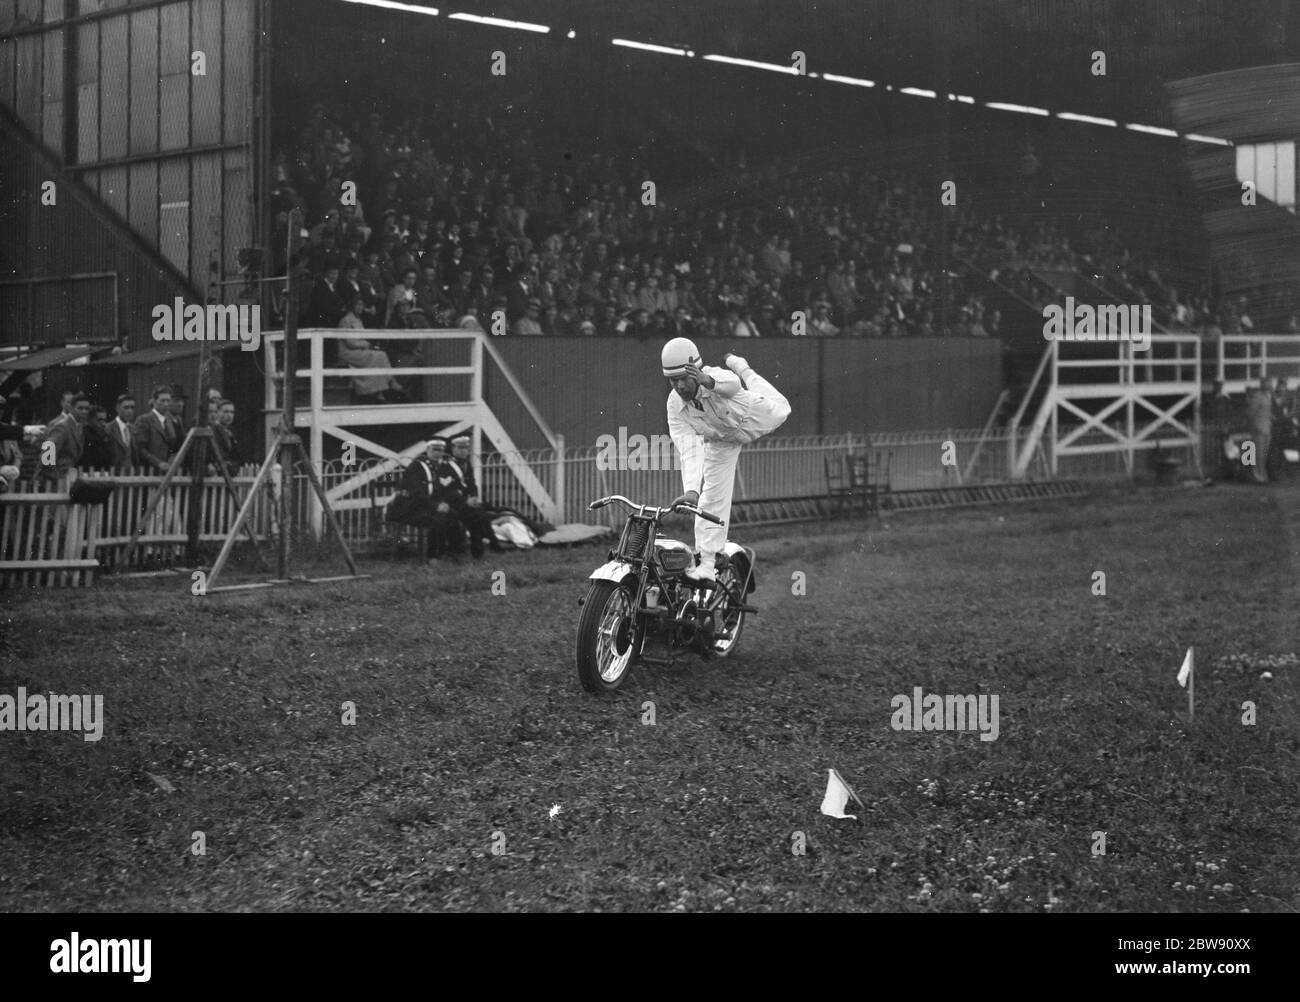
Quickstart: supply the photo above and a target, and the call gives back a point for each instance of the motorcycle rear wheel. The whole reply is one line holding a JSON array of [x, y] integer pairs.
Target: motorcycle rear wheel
[[609, 638], [732, 620]]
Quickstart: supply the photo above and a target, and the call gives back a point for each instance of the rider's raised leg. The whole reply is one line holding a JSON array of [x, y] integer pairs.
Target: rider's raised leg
[[774, 408]]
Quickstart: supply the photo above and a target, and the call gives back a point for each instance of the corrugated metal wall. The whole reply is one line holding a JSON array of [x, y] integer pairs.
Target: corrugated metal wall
[[73, 237], [151, 106]]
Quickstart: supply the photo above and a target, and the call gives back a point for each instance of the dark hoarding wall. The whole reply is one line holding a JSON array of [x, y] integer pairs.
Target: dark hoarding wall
[[588, 387]]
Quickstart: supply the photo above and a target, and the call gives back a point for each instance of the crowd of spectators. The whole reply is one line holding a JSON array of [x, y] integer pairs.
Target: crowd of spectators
[[461, 218], [82, 435], [439, 235]]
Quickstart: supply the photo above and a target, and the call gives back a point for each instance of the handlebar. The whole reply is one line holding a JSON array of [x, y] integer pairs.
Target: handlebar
[[659, 512]]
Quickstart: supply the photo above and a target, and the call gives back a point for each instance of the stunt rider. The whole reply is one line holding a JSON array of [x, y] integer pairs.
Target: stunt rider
[[712, 413]]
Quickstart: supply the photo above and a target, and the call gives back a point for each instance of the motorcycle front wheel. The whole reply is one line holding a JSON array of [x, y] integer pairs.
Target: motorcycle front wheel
[[609, 637]]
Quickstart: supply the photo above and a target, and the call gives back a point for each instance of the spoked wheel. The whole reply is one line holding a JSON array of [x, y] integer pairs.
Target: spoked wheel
[[730, 620], [609, 639]]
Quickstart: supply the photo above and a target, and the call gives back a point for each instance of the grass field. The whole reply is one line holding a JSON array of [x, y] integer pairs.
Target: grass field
[[470, 726]]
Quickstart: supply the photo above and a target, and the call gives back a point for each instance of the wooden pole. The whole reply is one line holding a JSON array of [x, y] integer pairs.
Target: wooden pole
[[172, 468], [244, 510], [287, 401], [324, 503], [194, 521]]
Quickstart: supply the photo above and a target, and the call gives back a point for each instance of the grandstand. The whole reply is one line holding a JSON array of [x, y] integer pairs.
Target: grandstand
[[517, 214]]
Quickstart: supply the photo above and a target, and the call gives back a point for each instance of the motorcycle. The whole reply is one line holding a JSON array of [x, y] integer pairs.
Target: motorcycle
[[640, 606]]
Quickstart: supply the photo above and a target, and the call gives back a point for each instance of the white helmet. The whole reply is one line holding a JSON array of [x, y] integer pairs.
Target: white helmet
[[677, 354]]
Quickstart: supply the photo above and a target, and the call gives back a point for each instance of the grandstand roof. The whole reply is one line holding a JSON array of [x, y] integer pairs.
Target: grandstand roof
[[1033, 51]]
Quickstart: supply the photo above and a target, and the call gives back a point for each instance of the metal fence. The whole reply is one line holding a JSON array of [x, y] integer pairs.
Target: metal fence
[[47, 540], [649, 470]]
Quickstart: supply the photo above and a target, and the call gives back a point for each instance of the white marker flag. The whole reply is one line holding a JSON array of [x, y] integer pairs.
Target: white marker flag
[[837, 796], [1184, 673]]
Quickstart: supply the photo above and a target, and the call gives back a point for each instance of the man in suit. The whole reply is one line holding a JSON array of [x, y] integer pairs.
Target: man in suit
[[69, 439], [120, 437], [98, 452], [65, 409], [223, 430], [459, 490], [156, 439], [327, 306], [180, 423]]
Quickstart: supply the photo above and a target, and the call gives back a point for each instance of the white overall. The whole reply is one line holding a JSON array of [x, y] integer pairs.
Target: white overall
[[709, 433]]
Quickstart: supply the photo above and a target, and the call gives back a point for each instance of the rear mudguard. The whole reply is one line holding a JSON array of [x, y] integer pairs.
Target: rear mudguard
[[735, 549]]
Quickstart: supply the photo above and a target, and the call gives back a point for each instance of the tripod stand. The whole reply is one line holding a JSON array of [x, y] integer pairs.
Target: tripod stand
[[287, 445]]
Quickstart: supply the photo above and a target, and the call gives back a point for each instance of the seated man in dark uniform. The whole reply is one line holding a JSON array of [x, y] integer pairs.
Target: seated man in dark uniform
[[429, 509], [459, 490]]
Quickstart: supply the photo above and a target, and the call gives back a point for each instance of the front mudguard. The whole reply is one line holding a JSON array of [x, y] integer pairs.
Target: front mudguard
[[614, 570]]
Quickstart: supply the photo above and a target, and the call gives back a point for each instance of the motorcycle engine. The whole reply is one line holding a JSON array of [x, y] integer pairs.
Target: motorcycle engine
[[693, 627]]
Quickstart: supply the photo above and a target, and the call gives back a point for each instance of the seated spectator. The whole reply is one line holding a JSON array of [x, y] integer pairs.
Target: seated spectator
[[359, 353], [469, 321], [681, 324], [326, 306], [769, 324], [425, 504], [410, 317], [744, 325], [821, 325], [399, 294], [552, 323], [528, 323], [428, 291]]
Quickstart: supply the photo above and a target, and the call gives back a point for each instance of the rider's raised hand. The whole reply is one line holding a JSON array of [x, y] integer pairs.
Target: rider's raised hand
[[691, 498], [708, 382]]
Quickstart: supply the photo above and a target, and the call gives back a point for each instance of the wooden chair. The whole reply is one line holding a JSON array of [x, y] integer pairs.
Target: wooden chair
[[856, 481], [837, 485], [869, 479]]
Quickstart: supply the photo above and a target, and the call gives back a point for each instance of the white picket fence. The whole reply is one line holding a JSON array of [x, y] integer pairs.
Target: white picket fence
[[45, 539]]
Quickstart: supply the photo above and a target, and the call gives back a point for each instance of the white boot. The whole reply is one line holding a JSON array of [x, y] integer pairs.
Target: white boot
[[736, 364], [704, 570]]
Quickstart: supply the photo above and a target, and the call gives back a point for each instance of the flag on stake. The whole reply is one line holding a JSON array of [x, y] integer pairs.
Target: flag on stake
[[837, 796], [1187, 680]]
